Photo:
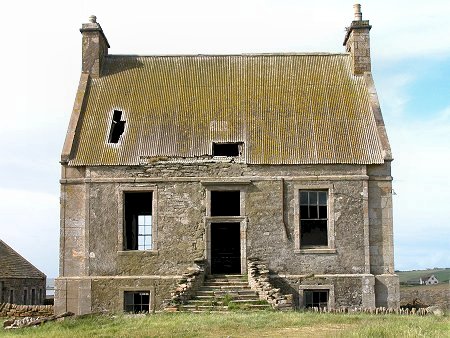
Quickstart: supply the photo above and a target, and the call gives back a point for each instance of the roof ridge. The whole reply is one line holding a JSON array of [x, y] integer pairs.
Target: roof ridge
[[228, 55]]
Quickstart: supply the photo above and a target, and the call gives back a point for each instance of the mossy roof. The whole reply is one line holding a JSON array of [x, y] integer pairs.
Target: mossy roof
[[285, 108]]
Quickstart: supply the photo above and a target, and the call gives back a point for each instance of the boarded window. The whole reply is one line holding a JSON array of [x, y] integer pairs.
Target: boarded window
[[136, 301], [138, 221], [313, 218], [225, 203], [315, 298]]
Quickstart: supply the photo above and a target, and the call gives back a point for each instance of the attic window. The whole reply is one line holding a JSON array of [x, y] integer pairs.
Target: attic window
[[117, 127], [227, 149]]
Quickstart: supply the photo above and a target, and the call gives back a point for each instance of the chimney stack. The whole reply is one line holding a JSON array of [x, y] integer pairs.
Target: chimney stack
[[357, 42], [95, 47]]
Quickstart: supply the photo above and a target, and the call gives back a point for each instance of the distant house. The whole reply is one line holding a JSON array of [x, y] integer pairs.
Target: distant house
[[423, 280], [20, 281]]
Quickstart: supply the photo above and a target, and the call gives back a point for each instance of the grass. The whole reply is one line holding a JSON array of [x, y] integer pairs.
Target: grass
[[242, 324], [443, 275]]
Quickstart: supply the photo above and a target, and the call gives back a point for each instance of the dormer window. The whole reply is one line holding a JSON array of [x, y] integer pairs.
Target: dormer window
[[234, 149], [117, 127]]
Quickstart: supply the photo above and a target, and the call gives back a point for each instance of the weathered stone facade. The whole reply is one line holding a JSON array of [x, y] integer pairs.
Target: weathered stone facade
[[354, 268]]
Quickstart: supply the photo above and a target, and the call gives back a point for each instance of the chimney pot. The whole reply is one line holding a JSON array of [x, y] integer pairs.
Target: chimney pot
[[358, 14], [93, 19]]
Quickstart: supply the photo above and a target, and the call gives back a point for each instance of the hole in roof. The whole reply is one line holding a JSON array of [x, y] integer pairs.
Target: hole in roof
[[117, 127], [227, 149]]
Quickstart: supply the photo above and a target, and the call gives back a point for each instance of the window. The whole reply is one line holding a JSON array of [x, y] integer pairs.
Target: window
[[11, 296], [117, 127], [313, 218], [225, 203], [138, 227], [228, 149], [136, 301], [25, 296], [315, 298], [33, 297]]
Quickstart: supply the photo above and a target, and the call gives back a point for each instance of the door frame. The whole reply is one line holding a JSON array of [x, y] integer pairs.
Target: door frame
[[242, 220]]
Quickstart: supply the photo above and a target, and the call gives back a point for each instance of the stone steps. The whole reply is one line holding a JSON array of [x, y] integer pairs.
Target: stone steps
[[222, 293]]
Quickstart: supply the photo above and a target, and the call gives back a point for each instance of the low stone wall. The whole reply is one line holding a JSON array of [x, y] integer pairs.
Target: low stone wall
[[14, 310], [188, 285], [431, 310], [258, 279]]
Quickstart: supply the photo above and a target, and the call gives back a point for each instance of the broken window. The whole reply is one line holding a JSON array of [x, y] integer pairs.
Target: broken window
[[225, 203], [138, 221], [117, 127], [136, 301], [315, 298], [227, 149], [313, 218]]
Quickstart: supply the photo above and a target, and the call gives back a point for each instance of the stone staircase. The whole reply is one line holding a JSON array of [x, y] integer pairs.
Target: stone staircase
[[223, 293]]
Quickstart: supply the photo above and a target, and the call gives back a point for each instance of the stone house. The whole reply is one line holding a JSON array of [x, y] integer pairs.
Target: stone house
[[428, 280], [280, 157], [20, 281]]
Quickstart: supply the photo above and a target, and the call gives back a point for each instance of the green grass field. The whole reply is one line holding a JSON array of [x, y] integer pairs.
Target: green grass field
[[443, 275], [242, 324]]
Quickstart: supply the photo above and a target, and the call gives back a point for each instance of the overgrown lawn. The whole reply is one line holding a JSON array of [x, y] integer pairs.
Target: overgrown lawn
[[242, 324]]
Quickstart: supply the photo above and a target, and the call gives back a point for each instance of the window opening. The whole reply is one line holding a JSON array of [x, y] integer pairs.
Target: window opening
[[313, 218], [11, 296], [316, 298], [25, 296], [225, 203], [136, 301], [117, 127], [138, 221], [33, 297], [227, 149]]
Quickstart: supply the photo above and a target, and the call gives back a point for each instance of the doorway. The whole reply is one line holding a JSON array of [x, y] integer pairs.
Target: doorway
[[225, 248]]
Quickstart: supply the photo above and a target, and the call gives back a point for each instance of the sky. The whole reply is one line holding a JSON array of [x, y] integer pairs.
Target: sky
[[41, 58]]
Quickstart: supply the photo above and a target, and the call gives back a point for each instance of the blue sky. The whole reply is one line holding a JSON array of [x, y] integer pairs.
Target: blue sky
[[41, 58]]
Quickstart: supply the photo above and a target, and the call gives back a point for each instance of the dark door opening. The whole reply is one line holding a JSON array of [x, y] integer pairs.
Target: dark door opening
[[225, 248]]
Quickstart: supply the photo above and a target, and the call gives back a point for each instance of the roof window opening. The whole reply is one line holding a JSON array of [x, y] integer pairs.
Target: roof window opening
[[117, 127], [227, 149]]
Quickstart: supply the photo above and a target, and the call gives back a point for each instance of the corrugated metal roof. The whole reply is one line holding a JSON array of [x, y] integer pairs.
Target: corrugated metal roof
[[13, 265], [286, 108]]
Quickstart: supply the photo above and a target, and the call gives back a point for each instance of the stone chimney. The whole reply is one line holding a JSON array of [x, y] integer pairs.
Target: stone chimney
[[95, 47], [357, 42]]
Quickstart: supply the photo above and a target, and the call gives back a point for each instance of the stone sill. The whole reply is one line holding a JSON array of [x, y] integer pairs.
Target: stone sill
[[138, 253], [316, 251]]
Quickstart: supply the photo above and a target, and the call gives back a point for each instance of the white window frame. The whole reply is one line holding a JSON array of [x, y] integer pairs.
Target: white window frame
[[121, 217]]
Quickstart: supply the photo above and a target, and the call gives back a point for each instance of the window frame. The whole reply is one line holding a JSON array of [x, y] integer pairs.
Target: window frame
[[149, 289], [328, 287], [122, 191], [330, 248]]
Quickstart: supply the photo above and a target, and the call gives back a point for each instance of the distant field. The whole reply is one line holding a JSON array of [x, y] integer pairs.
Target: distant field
[[242, 324], [443, 275]]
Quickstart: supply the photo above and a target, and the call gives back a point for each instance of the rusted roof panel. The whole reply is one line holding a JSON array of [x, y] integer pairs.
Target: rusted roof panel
[[286, 108]]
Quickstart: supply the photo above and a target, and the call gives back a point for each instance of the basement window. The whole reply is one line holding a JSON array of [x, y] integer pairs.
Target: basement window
[[226, 203], [315, 298], [136, 301], [117, 127], [228, 149], [138, 228], [313, 218]]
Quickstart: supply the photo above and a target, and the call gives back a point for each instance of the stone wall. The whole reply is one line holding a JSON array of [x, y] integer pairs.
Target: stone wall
[[92, 229], [14, 310], [424, 296], [18, 286]]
